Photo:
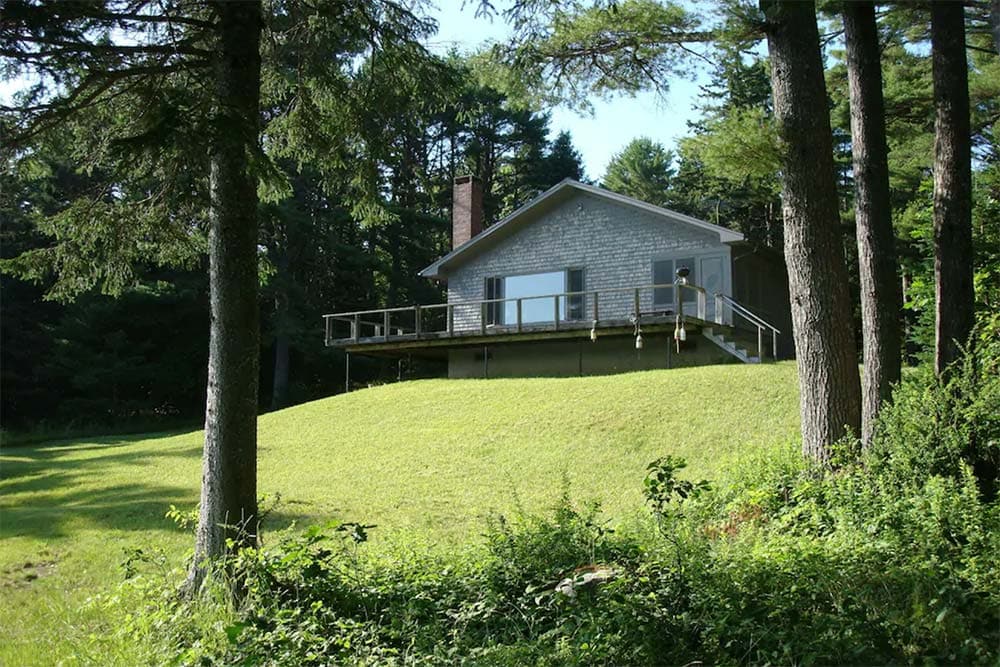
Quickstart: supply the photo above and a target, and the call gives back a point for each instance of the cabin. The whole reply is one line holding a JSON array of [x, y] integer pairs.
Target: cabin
[[581, 280]]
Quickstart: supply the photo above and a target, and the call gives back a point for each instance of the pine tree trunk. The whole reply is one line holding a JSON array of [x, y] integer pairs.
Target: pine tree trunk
[[881, 299], [953, 296], [281, 321], [229, 467], [995, 24], [817, 276], [282, 363]]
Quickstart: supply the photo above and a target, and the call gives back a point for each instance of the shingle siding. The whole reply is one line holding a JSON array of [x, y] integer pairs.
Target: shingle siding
[[614, 243]]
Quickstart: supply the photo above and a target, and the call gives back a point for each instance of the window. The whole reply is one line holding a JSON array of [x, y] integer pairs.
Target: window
[[536, 291], [576, 305], [665, 273], [533, 285], [494, 311]]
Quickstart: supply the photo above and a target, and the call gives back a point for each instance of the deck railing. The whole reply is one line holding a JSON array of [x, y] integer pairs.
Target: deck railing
[[762, 326], [569, 310]]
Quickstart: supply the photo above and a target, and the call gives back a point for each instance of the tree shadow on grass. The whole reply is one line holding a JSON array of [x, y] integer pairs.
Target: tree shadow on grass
[[44, 489], [48, 491]]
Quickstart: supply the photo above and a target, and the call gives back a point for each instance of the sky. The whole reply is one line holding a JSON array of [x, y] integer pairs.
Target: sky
[[614, 122], [598, 136]]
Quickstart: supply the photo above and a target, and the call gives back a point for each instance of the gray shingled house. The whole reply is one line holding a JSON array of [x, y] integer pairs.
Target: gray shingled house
[[581, 280]]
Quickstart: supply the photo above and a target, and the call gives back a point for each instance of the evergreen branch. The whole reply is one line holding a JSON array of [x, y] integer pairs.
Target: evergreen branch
[[53, 113], [69, 47]]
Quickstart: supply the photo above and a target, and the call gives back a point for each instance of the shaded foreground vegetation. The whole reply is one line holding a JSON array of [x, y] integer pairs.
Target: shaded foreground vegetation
[[426, 461], [887, 558]]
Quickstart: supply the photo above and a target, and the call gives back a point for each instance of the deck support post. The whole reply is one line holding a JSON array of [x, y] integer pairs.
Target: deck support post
[[347, 372]]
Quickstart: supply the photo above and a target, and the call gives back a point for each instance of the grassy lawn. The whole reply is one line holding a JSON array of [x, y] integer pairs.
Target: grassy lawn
[[425, 461]]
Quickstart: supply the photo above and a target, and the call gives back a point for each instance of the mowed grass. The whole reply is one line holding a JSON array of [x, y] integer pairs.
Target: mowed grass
[[426, 461]]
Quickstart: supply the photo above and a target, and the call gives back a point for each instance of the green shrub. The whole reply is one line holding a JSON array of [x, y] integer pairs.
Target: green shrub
[[890, 558]]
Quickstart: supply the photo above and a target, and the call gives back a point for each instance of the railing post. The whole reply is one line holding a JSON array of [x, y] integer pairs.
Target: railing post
[[702, 305], [356, 328], [774, 344], [385, 324], [636, 298], [555, 315], [519, 316], [482, 317], [596, 308], [326, 334], [760, 342], [417, 316], [451, 320], [719, 319]]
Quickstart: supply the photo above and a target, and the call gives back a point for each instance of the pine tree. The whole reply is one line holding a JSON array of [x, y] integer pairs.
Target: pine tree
[[817, 274]]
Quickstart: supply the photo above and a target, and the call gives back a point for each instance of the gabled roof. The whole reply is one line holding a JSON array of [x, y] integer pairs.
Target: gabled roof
[[554, 195]]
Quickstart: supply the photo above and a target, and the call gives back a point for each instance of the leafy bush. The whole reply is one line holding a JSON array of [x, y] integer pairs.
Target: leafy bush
[[891, 557]]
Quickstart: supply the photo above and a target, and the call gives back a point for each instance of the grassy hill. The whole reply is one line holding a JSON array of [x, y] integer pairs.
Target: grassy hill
[[425, 461]]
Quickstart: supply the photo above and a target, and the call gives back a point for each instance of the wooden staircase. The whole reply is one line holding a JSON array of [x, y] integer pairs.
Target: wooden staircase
[[729, 346], [736, 309]]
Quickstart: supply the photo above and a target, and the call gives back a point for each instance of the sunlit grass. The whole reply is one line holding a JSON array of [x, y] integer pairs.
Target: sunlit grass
[[426, 461]]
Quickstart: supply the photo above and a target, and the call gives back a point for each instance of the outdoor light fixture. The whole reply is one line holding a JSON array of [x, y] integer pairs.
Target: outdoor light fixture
[[638, 341], [682, 275], [593, 332]]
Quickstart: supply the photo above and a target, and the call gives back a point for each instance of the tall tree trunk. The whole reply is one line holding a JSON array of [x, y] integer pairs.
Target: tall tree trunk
[[281, 320], [953, 296], [817, 276], [995, 23], [282, 362], [881, 297], [229, 465]]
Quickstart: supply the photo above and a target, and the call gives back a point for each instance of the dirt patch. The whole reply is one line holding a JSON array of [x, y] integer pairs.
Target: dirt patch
[[24, 574]]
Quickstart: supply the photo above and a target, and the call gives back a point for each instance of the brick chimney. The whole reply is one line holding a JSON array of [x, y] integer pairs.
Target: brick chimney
[[467, 209]]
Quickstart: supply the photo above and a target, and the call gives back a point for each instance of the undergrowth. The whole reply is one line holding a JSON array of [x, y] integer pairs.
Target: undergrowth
[[891, 556]]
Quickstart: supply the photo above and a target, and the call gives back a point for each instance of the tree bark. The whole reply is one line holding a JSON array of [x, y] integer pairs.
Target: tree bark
[[814, 252], [995, 24], [228, 509], [282, 364], [953, 295], [881, 297]]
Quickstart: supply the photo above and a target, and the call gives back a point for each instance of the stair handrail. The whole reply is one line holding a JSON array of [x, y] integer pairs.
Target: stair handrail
[[754, 319], [744, 311]]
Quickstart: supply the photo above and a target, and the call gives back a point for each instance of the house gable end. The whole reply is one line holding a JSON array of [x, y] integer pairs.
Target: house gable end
[[541, 208]]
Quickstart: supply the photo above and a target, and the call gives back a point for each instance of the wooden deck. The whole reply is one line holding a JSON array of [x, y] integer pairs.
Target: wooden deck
[[565, 330], [611, 312], [431, 330]]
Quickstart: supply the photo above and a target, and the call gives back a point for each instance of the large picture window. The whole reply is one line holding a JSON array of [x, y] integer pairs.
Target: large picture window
[[535, 291]]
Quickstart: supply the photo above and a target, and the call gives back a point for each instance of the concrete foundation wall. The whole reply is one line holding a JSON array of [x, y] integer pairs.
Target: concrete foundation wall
[[582, 357]]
